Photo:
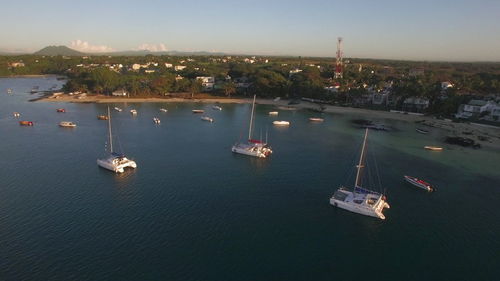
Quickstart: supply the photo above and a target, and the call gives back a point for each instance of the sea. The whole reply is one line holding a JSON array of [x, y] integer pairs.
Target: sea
[[193, 210]]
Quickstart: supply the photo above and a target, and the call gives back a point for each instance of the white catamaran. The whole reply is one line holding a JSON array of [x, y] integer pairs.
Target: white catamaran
[[115, 162], [253, 147], [360, 200]]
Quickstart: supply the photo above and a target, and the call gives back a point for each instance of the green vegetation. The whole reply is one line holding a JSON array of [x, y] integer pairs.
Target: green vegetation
[[267, 77]]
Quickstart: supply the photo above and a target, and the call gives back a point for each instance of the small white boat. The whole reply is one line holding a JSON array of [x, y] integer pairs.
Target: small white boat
[[433, 148], [118, 109], [281, 123], [273, 113], [198, 111], [133, 112], [9, 91], [163, 110], [16, 114], [216, 107], [156, 120], [419, 183], [67, 124], [315, 119], [206, 118]]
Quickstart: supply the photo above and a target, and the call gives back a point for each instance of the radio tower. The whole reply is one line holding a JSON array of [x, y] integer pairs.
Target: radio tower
[[339, 67]]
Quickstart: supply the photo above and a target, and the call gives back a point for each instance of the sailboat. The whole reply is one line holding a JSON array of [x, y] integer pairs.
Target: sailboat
[[253, 147], [115, 162], [360, 200]]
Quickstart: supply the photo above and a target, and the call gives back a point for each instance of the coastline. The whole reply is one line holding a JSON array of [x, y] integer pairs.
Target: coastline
[[32, 76], [456, 129]]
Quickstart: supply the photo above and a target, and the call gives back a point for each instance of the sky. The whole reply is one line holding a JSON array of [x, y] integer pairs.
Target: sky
[[445, 30]]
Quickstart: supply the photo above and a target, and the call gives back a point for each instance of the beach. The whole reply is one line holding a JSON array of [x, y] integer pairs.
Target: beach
[[467, 130]]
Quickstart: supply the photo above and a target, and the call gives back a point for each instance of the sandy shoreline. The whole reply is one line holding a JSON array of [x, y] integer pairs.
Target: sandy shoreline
[[458, 129]]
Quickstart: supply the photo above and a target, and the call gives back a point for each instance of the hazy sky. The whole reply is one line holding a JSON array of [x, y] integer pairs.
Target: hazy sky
[[399, 29]]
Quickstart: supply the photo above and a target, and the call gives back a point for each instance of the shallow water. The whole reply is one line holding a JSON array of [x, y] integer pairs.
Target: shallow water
[[192, 210]]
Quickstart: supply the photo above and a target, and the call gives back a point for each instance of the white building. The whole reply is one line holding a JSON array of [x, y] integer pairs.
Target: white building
[[207, 82], [294, 71], [179, 67], [168, 65], [446, 85], [415, 104], [120, 93], [136, 66]]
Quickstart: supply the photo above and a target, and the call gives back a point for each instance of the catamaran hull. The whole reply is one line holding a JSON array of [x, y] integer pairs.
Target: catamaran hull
[[375, 212], [248, 152], [116, 168]]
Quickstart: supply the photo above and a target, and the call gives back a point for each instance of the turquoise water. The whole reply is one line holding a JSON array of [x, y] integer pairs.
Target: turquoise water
[[195, 211]]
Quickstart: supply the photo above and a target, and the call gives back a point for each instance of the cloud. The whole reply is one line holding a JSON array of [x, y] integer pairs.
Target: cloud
[[84, 46], [152, 47]]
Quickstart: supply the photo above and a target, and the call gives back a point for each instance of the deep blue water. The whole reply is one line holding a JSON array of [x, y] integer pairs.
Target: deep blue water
[[192, 210]]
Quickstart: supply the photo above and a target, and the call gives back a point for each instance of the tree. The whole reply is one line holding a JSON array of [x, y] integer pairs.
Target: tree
[[229, 88]]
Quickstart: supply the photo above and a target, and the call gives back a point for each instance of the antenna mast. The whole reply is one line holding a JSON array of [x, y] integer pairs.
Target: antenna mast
[[339, 66]]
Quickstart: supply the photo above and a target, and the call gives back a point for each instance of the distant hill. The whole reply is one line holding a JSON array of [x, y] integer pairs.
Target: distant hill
[[58, 51], [162, 53]]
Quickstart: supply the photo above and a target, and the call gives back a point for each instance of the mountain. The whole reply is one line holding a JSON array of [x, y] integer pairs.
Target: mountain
[[58, 51]]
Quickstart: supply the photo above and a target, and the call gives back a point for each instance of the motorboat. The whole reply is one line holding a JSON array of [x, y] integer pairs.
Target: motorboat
[[273, 113], [433, 148], [198, 111], [360, 200], [163, 110], [281, 123], [316, 119], [67, 124], [133, 112], [206, 118], [118, 109], [16, 114], [156, 120], [61, 110], [419, 183], [252, 147], [115, 162], [102, 117], [26, 123], [216, 107]]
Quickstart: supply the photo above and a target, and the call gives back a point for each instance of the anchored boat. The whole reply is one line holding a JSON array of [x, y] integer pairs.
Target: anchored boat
[[360, 200], [216, 107], [422, 131], [115, 162], [419, 183], [206, 118], [281, 123], [315, 119], [61, 110], [255, 148], [163, 110], [118, 109], [156, 120], [433, 148], [67, 124], [26, 123], [198, 111], [273, 113]]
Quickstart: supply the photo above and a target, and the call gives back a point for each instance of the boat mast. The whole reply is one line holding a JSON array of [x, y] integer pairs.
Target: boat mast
[[251, 119], [360, 165], [109, 129]]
